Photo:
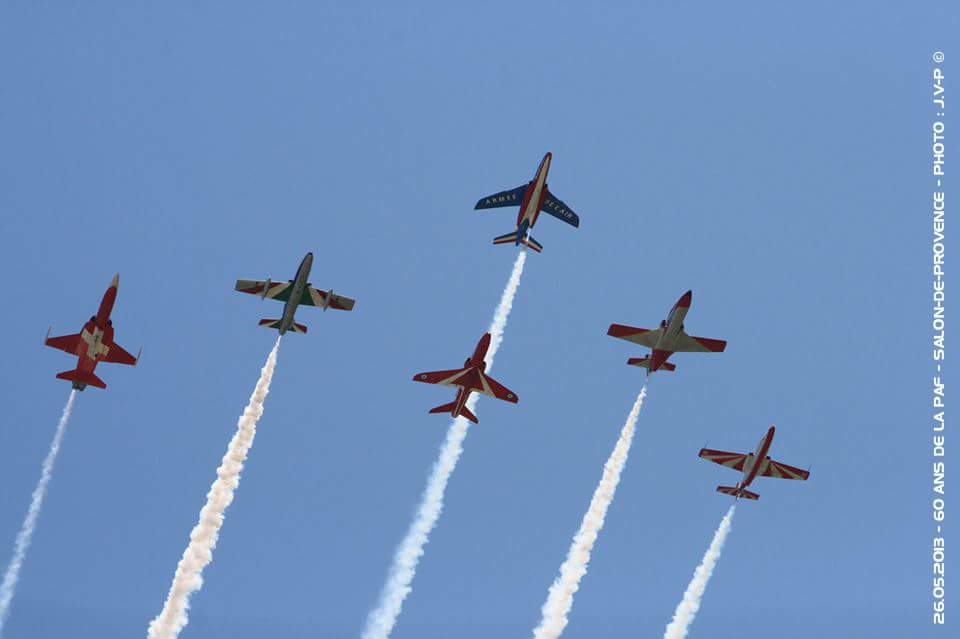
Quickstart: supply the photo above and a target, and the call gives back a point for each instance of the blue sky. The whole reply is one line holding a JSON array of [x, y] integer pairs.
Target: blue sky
[[775, 159]]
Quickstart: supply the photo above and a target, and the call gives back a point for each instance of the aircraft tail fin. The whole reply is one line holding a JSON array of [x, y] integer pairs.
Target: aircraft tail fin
[[81, 380], [443, 408], [448, 408], [276, 323], [644, 362], [511, 238], [735, 491], [298, 328]]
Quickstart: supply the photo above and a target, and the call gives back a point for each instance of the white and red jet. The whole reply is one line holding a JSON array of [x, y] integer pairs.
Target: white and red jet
[[753, 465], [469, 379], [93, 344], [666, 340], [533, 197]]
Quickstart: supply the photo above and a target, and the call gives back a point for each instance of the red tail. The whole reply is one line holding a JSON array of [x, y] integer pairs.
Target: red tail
[[448, 408], [736, 491], [644, 362], [81, 380]]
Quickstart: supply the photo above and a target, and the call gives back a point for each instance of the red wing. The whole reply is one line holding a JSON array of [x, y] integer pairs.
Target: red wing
[[443, 378], [782, 471], [722, 457], [690, 344], [712, 345], [643, 336], [493, 388], [66, 343], [117, 355]]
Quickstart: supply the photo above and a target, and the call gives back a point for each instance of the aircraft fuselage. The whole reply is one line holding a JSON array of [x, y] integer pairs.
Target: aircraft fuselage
[[754, 462], [296, 293], [96, 334], [672, 328], [533, 199]]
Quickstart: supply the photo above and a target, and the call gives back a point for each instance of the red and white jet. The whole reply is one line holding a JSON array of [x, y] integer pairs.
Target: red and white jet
[[93, 344], [753, 465], [666, 340], [469, 379], [533, 197]]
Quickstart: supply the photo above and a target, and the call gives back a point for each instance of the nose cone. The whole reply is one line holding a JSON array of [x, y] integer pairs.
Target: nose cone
[[685, 299], [770, 433], [484, 343], [115, 282], [545, 163]]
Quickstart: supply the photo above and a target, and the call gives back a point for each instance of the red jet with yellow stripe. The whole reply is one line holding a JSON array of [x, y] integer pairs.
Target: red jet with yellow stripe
[[93, 344], [472, 378], [753, 465], [667, 339]]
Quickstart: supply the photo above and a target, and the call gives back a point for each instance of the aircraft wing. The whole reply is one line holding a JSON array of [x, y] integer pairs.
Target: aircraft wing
[[493, 388], [274, 290], [642, 336], [771, 468], [722, 457], [315, 297], [66, 343], [555, 207], [443, 378], [690, 344], [511, 197], [117, 355]]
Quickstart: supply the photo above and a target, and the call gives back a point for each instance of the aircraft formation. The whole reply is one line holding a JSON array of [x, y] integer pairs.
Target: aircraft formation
[[95, 342]]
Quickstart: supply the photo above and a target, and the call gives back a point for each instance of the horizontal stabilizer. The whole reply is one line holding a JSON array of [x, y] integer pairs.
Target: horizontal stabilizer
[[532, 243], [276, 323], [270, 323], [644, 362], [443, 408], [733, 491], [298, 328], [448, 408], [81, 380], [511, 238]]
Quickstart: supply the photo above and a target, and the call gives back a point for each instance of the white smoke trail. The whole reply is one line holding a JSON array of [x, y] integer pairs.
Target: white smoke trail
[[381, 620], [203, 539], [22, 543], [560, 598], [688, 607]]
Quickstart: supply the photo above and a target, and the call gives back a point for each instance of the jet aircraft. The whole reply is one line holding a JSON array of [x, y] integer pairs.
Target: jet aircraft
[[666, 340], [294, 293], [93, 344], [753, 465], [471, 378], [533, 197]]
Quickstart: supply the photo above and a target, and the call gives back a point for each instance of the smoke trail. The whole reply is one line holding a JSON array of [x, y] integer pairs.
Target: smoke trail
[[560, 598], [203, 539], [381, 620], [687, 609], [25, 535]]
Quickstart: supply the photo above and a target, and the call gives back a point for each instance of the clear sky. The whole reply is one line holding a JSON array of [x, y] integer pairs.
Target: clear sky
[[774, 159]]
